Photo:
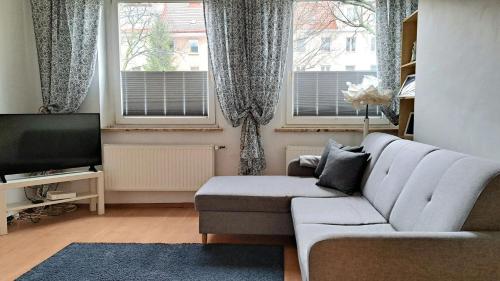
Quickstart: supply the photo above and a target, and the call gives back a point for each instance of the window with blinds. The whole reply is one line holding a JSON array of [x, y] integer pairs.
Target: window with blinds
[[333, 45], [173, 93], [319, 93], [163, 59]]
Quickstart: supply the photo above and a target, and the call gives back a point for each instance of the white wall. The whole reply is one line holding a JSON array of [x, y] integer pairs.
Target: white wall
[[458, 92], [15, 18], [19, 77], [227, 160]]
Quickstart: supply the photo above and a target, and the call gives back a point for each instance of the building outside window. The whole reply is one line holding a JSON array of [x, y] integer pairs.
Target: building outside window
[[160, 81], [333, 30], [325, 68], [325, 44], [350, 44], [301, 45], [193, 46]]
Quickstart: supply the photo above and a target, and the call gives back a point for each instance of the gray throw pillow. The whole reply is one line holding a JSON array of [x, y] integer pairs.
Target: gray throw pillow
[[332, 144], [343, 170]]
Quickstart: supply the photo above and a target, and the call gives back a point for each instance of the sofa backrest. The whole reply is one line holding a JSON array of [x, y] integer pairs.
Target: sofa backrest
[[391, 171], [442, 191], [374, 144]]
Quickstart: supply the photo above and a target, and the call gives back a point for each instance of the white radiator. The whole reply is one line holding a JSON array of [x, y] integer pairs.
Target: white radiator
[[157, 167], [294, 151]]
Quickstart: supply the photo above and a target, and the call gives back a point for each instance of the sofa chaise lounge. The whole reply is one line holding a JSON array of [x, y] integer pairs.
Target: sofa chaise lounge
[[423, 213]]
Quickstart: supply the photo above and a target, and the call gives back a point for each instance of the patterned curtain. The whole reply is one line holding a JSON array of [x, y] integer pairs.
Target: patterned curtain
[[248, 42], [390, 16], [66, 40]]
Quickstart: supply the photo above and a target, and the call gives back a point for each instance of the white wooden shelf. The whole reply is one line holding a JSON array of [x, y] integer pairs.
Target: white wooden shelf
[[95, 194], [19, 206], [57, 178]]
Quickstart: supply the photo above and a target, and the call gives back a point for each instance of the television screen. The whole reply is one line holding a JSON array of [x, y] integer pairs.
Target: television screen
[[42, 142]]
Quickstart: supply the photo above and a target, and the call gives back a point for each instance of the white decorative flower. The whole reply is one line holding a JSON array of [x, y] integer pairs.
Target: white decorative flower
[[367, 93]]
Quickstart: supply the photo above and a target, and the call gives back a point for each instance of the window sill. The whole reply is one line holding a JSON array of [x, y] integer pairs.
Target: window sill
[[161, 129], [383, 129]]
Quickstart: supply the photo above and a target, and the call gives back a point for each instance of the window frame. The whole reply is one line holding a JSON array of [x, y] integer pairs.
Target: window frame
[[197, 43], [350, 45], [114, 77], [325, 47], [314, 121]]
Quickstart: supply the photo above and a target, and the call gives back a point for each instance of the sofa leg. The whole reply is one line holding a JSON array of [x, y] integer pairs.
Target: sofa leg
[[204, 238]]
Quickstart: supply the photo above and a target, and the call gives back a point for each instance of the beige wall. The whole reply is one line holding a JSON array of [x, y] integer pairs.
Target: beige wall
[[458, 80], [227, 159], [19, 80], [16, 15]]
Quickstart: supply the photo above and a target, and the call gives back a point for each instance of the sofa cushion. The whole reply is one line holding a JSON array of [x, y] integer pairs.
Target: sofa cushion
[[394, 166], [307, 235], [442, 192], [343, 170], [331, 145], [324, 155], [352, 210], [374, 144], [257, 193]]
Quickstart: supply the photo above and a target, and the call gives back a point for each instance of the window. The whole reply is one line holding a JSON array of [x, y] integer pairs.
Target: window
[[325, 44], [193, 46], [352, 13], [321, 72], [300, 45], [373, 44], [350, 44], [159, 81]]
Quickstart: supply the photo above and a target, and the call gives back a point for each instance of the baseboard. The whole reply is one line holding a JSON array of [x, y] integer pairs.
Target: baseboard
[[146, 205]]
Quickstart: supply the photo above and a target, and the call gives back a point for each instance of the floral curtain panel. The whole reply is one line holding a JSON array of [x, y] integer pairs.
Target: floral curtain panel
[[390, 16], [247, 41], [66, 40]]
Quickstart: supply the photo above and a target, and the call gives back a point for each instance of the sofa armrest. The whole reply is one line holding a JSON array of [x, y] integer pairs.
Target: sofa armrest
[[295, 170], [407, 256]]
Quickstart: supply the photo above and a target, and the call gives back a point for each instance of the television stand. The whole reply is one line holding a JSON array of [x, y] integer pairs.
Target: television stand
[[95, 194]]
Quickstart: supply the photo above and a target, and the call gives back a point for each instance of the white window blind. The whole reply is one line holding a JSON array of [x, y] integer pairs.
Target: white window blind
[[319, 93], [169, 93]]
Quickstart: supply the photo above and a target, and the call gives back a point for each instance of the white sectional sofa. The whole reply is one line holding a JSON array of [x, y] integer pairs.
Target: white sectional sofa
[[423, 213]]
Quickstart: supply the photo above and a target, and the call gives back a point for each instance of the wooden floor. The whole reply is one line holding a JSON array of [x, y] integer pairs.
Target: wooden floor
[[28, 244]]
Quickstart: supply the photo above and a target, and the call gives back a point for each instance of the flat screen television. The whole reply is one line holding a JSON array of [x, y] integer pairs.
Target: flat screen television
[[42, 142]]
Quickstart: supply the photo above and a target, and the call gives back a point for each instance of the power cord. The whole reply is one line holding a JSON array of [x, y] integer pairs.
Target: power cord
[[38, 194]]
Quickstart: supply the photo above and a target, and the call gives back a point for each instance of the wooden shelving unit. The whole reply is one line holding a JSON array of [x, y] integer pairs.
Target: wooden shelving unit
[[408, 67], [95, 193]]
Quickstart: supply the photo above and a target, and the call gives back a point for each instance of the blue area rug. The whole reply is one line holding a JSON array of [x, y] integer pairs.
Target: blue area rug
[[90, 261]]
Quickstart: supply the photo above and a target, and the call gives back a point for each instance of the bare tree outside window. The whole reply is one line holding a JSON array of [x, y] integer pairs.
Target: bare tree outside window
[[160, 36], [333, 45], [314, 21], [163, 59]]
